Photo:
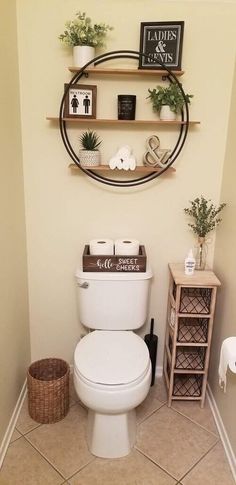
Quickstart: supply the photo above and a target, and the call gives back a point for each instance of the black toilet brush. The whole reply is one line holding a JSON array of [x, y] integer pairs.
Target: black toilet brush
[[152, 341]]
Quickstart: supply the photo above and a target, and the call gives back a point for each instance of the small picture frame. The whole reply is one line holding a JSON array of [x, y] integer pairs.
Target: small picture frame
[[80, 101], [161, 41]]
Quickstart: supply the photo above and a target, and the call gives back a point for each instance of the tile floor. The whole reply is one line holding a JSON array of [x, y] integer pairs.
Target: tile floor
[[177, 445]]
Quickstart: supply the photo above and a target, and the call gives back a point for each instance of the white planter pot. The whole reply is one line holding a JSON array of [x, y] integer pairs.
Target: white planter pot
[[166, 114], [83, 54], [89, 158]]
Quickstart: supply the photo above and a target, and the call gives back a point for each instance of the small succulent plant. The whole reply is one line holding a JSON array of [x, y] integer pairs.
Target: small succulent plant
[[90, 140]]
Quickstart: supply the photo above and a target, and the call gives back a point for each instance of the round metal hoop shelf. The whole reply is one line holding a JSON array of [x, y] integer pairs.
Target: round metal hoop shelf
[[180, 140]]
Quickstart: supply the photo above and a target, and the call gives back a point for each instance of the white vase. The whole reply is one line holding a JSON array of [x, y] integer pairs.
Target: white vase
[[166, 114], [83, 54], [89, 158]]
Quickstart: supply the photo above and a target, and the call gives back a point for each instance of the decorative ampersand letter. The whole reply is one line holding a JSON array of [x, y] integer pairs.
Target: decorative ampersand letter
[[155, 156]]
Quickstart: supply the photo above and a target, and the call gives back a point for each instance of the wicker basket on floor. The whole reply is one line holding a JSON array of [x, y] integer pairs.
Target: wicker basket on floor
[[48, 390]]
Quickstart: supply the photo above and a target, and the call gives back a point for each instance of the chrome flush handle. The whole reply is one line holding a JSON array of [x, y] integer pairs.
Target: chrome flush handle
[[85, 285]]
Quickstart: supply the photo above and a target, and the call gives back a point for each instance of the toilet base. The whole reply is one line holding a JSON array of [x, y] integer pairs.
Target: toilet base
[[111, 435]]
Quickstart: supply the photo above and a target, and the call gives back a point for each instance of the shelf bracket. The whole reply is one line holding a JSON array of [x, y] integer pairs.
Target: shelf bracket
[[166, 77]]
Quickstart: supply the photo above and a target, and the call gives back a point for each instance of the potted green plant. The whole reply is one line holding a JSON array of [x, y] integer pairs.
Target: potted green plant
[[206, 218], [84, 37], [89, 154], [168, 101]]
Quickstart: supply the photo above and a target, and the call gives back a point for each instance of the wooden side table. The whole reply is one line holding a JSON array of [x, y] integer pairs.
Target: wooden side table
[[190, 316]]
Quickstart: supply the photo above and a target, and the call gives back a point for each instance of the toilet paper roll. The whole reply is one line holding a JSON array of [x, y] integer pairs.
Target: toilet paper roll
[[101, 246], [227, 359], [127, 247]]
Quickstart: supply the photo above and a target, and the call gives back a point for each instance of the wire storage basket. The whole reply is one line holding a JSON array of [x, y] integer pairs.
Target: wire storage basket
[[48, 390]]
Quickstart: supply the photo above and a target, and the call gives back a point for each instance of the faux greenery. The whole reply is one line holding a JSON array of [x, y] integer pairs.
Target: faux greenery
[[204, 214], [170, 95], [90, 140], [81, 32]]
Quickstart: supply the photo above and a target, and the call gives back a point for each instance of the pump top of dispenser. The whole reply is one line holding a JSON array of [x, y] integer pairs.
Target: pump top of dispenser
[[190, 254]]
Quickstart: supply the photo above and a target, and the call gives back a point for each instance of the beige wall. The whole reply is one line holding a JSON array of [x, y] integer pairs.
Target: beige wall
[[64, 211], [14, 341], [225, 322]]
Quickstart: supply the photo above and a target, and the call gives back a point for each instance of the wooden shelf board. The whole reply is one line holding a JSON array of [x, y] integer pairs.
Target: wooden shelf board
[[104, 121], [191, 344], [186, 398], [123, 71], [203, 279], [195, 315], [138, 169], [189, 371]]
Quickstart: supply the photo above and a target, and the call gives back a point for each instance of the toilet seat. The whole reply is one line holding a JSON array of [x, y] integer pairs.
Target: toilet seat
[[111, 358]]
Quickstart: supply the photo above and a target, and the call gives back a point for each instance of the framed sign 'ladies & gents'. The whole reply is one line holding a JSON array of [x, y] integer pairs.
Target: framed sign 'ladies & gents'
[[161, 42]]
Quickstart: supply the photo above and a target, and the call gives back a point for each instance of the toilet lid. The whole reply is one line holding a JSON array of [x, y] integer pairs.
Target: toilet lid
[[111, 357]]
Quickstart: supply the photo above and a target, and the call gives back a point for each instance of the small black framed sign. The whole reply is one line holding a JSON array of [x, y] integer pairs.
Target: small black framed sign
[[80, 101], [161, 41]]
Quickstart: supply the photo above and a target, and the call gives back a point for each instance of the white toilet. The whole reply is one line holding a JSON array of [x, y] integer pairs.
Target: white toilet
[[112, 368]]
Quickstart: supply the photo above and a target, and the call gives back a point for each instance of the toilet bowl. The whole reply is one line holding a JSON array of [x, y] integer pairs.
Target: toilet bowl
[[112, 367], [112, 375]]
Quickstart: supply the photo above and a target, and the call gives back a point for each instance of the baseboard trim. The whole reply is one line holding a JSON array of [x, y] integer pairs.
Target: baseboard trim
[[222, 432], [11, 426]]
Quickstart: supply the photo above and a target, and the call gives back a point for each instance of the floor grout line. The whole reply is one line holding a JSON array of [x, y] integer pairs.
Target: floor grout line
[[45, 458], [13, 441], [32, 429], [155, 463], [146, 417], [54, 466], [151, 414], [195, 422], [82, 468], [200, 459]]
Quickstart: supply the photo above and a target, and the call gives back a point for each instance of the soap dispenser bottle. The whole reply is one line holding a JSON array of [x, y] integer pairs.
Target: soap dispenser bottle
[[189, 263]]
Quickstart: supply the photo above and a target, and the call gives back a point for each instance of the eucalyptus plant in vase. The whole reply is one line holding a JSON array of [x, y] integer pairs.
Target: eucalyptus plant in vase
[[205, 216], [84, 37]]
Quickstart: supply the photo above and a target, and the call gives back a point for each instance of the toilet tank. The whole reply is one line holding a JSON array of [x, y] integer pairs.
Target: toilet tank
[[113, 301]]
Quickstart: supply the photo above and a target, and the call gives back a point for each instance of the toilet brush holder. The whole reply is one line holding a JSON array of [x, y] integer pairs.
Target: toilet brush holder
[[152, 340]]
